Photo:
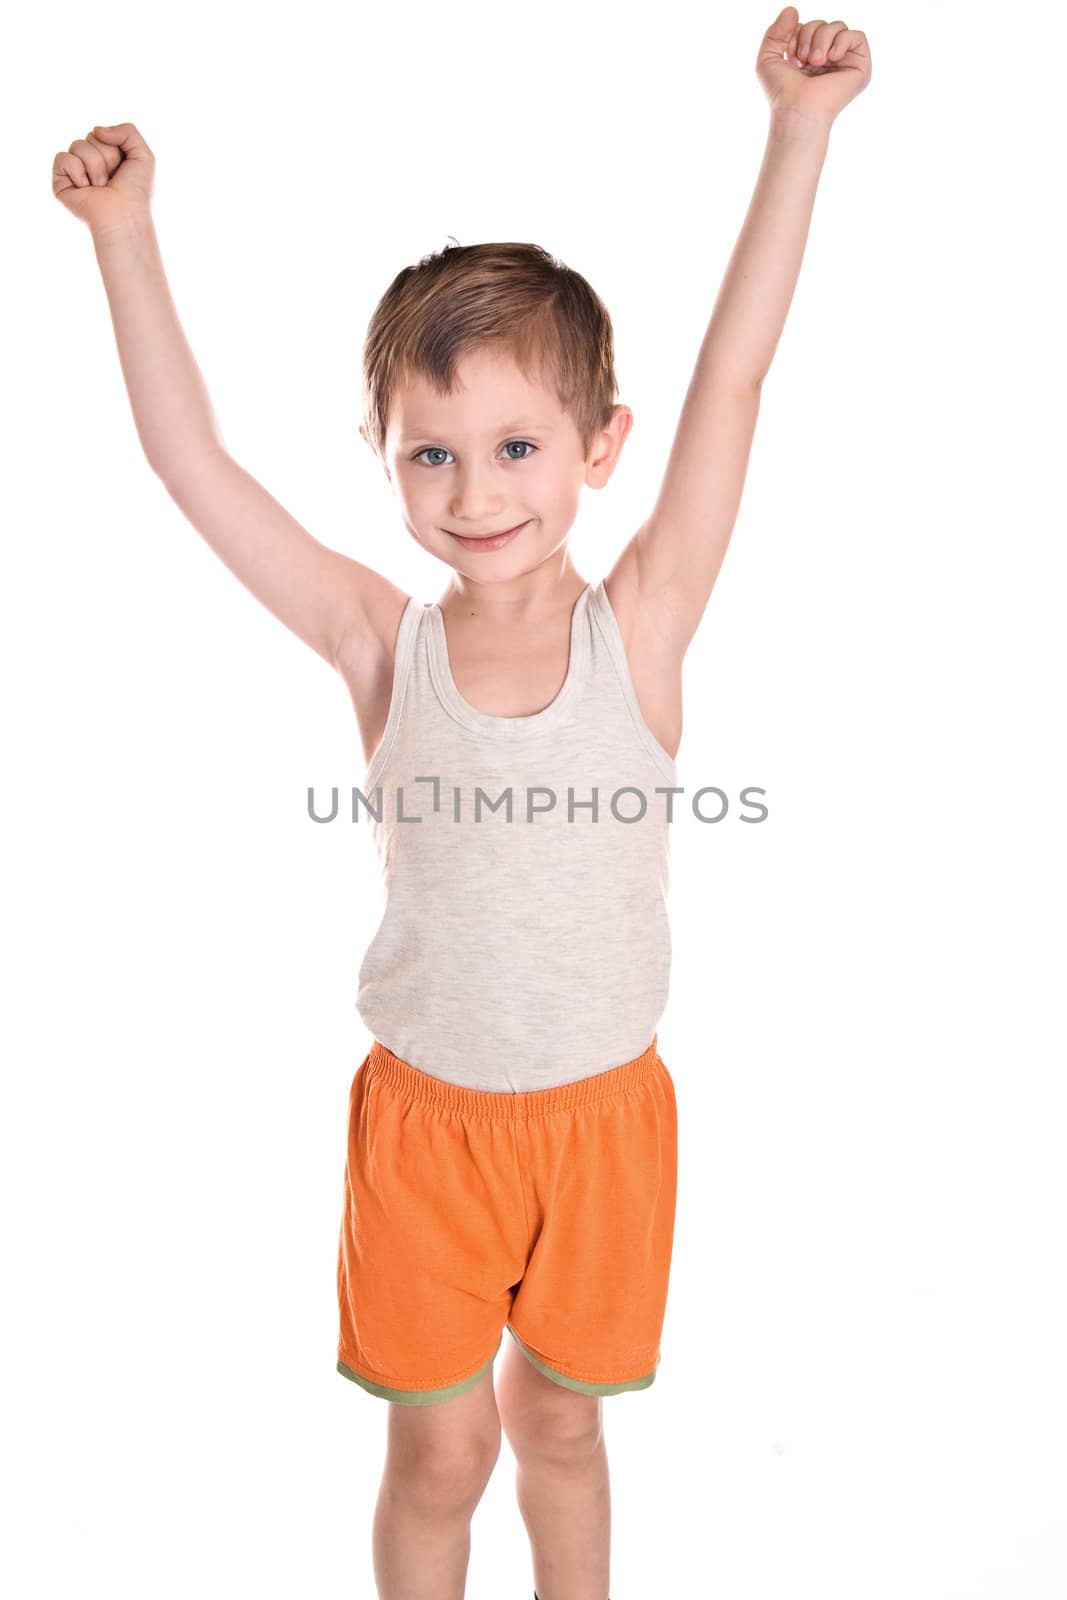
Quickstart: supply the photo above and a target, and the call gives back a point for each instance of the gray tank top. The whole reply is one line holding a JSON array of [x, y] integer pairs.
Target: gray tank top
[[524, 941]]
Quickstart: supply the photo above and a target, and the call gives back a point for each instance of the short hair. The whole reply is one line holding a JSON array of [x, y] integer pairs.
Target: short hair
[[516, 298]]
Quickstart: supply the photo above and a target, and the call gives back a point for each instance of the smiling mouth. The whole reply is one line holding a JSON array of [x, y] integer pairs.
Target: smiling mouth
[[498, 535]]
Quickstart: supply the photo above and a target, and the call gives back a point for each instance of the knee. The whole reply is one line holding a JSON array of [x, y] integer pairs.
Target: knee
[[443, 1475], [561, 1430]]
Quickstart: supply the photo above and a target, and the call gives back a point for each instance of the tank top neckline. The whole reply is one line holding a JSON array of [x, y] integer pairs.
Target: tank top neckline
[[510, 727]]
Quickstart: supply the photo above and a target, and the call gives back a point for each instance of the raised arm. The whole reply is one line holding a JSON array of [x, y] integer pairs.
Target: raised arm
[[809, 73], [321, 595]]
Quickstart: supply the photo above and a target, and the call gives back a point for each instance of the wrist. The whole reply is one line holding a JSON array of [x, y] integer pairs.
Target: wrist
[[134, 225], [789, 124]]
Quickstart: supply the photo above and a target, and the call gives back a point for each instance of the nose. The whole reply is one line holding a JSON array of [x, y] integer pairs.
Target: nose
[[473, 499]]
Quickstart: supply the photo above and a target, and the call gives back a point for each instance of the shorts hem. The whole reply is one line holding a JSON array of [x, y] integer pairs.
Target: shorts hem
[[579, 1384], [417, 1397]]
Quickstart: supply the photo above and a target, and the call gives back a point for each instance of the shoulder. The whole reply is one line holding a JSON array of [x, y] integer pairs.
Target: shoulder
[[644, 626], [371, 637], [652, 654], [366, 655]]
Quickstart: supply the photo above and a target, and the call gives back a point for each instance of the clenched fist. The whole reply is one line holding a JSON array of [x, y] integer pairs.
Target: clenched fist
[[106, 178]]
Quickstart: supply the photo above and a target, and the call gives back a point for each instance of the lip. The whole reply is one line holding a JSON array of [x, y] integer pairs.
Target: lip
[[494, 541]]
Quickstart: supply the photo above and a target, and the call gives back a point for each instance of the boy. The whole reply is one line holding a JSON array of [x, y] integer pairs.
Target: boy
[[512, 1131]]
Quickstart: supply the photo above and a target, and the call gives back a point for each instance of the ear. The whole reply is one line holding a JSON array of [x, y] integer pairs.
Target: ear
[[623, 419]]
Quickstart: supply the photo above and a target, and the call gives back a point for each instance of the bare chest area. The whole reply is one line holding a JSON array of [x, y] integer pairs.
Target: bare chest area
[[512, 673], [518, 672]]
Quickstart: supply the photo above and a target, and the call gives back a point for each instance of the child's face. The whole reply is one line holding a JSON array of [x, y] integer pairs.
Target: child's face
[[499, 452]]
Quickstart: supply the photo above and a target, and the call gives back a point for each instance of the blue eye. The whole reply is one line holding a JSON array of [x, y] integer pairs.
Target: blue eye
[[439, 449]]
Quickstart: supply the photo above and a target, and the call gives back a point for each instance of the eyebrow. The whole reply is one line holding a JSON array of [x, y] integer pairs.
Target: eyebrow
[[506, 427]]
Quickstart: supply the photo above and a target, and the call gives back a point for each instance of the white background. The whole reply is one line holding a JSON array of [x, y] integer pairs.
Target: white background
[[862, 1388]]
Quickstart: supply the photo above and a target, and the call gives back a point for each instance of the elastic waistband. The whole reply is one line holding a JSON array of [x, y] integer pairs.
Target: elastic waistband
[[505, 1106]]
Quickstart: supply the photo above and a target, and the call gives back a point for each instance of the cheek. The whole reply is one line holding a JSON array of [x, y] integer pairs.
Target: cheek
[[411, 487]]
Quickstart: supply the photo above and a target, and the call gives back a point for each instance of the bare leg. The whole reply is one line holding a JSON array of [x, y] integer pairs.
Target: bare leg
[[561, 1479], [567, 1512], [439, 1460]]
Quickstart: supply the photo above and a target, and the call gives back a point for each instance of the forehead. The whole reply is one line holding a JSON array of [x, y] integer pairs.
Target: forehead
[[492, 395]]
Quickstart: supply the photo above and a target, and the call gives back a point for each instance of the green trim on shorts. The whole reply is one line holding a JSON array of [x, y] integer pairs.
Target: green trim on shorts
[[576, 1383], [419, 1397]]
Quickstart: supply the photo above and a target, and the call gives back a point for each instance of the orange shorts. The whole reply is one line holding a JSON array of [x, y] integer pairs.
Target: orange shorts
[[550, 1213]]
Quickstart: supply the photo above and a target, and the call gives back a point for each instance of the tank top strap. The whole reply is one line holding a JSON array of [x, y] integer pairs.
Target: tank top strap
[[608, 655], [407, 636]]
